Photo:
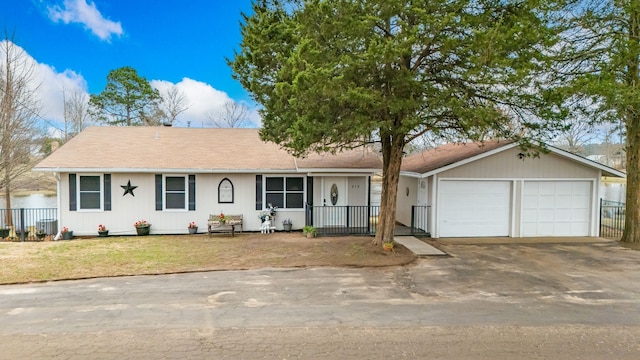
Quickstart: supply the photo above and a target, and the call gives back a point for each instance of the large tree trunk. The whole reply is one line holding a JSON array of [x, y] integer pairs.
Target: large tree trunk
[[392, 147], [8, 215], [632, 211], [632, 121]]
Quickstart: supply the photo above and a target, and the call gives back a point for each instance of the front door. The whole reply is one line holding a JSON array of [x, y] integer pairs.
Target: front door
[[334, 201]]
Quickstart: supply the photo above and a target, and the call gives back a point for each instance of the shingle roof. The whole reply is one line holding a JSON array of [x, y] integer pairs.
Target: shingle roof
[[145, 148], [448, 154]]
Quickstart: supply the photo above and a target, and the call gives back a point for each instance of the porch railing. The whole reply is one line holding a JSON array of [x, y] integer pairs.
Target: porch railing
[[24, 224], [612, 217], [343, 220], [420, 216]]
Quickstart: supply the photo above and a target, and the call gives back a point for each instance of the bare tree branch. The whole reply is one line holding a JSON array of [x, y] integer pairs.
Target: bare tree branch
[[19, 109], [232, 115]]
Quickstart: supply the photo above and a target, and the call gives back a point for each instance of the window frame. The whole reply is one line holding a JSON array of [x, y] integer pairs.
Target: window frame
[[165, 191], [80, 192], [284, 191], [232, 191]]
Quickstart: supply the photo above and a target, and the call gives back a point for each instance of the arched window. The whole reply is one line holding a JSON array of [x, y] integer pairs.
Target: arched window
[[225, 192]]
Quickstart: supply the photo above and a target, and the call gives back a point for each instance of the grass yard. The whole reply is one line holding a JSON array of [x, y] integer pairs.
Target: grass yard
[[138, 255]]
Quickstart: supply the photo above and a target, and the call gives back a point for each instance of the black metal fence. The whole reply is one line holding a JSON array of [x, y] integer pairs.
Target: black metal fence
[[420, 216], [612, 215], [28, 224], [343, 220]]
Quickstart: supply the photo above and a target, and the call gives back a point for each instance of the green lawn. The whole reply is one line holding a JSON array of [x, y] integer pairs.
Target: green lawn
[[137, 255]]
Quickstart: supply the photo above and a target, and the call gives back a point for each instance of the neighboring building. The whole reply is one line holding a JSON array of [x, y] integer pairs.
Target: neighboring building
[[493, 189], [172, 176]]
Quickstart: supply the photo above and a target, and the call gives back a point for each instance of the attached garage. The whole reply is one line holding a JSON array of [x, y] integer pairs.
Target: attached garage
[[493, 189], [474, 208], [556, 208]]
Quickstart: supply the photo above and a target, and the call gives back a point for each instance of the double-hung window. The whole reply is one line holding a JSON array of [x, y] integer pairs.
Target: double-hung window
[[285, 192], [175, 194], [89, 192]]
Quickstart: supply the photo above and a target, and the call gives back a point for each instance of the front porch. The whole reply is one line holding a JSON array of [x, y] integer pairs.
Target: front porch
[[362, 220]]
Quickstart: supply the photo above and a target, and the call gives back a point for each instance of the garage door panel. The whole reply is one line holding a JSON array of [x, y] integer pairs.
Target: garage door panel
[[562, 215], [545, 216], [560, 208], [578, 226], [474, 208], [546, 189], [562, 188], [546, 202], [562, 229]]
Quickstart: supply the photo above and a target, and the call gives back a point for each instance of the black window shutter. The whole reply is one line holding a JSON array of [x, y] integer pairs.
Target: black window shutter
[[310, 190], [106, 180], [159, 192], [258, 192], [73, 203], [192, 192]]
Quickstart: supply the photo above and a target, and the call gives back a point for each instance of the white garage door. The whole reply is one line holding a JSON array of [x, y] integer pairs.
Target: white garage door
[[556, 208], [474, 208]]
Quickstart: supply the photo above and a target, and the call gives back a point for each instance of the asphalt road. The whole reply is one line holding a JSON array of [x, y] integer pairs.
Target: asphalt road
[[549, 301]]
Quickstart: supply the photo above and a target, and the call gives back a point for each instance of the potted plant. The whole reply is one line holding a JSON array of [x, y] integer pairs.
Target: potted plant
[[66, 233], [309, 231], [222, 218], [193, 228], [40, 234], [388, 246], [4, 232], [21, 232], [142, 227], [102, 231], [287, 224]]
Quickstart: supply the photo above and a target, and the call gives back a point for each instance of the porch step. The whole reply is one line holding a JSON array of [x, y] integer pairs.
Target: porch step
[[418, 247]]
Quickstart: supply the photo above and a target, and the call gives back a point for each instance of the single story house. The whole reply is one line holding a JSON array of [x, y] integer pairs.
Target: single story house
[[494, 189], [172, 176]]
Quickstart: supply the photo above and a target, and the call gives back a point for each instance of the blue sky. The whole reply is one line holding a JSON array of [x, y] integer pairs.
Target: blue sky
[[172, 43]]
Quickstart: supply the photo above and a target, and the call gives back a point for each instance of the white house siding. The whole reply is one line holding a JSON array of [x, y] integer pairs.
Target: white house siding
[[126, 210], [357, 191]]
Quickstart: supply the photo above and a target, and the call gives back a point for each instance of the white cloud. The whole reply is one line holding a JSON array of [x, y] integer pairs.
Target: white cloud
[[48, 85], [87, 14], [203, 99]]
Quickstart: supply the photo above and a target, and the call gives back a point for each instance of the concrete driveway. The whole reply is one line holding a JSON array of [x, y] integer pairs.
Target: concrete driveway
[[484, 301], [587, 280]]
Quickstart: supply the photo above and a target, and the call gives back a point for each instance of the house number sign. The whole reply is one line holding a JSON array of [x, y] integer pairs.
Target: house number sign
[[334, 194]]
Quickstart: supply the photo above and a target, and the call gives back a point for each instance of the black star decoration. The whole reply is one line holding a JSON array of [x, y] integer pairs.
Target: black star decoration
[[128, 189]]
